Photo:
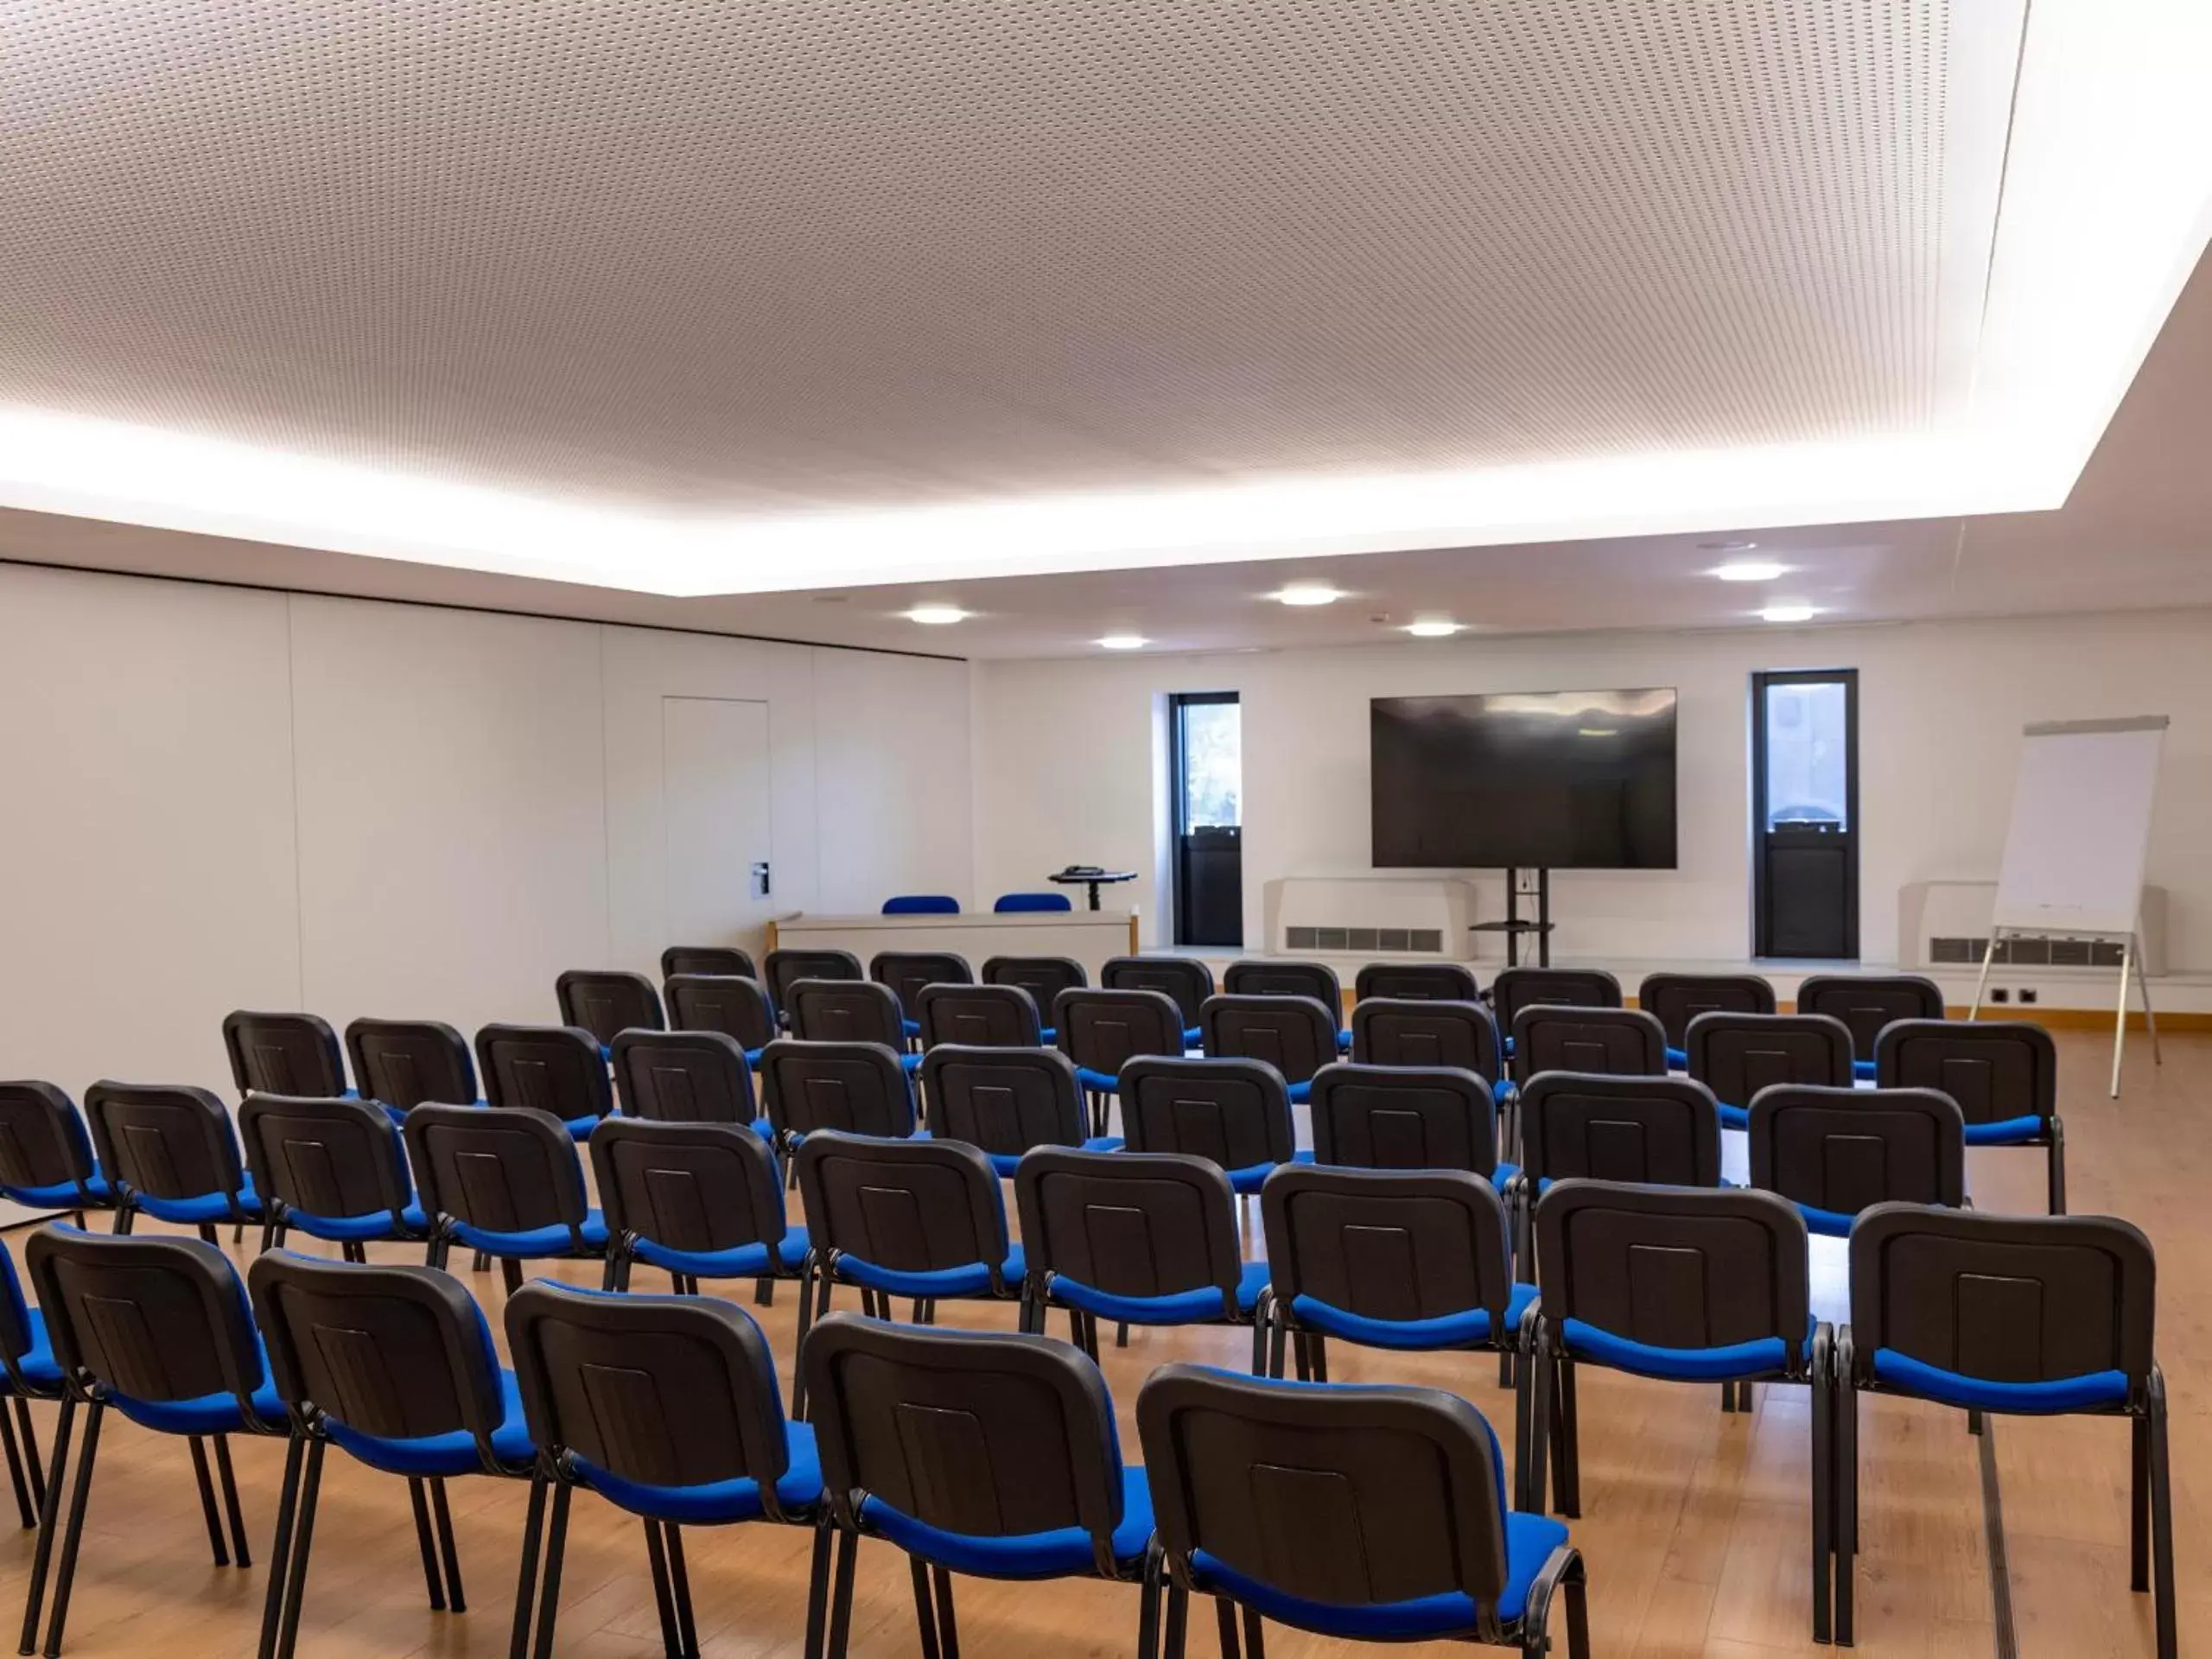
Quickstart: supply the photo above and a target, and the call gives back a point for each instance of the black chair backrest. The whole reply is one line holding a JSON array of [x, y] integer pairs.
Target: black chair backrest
[[42, 1138], [1003, 1101], [1130, 1223], [397, 1352], [158, 1319], [1866, 1002], [1100, 1030], [1264, 977], [1404, 1117], [979, 1016], [1351, 1496], [284, 1054], [510, 1171], [1736, 1055], [1995, 1070], [684, 1077], [784, 968], [736, 1005], [1845, 1150], [1236, 1112], [912, 1206], [1516, 988], [687, 1187], [404, 1063], [1674, 1267], [974, 1432], [1415, 982], [604, 1002], [1677, 998], [1296, 1035], [857, 1087], [1661, 1131], [1386, 1031], [715, 960], [1043, 977], [1187, 979], [1388, 1244], [18, 1336], [557, 1069], [907, 971], [1549, 1038], [845, 1011], [656, 1390], [162, 1141], [2009, 1299], [332, 1158]]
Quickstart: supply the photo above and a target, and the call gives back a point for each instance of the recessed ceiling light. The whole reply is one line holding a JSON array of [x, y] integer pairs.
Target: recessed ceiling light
[[1124, 642], [1308, 593], [1433, 627], [937, 616], [1791, 612], [1749, 571]]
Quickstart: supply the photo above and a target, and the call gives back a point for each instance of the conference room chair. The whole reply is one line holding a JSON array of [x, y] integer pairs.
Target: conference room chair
[[855, 1088], [1012, 904], [2003, 1073], [171, 1152], [604, 1002], [1043, 977], [1295, 1034], [1677, 998], [395, 1367], [1516, 988], [706, 961], [1736, 1055], [1661, 1131], [848, 1011], [698, 1200], [506, 1184], [907, 972], [921, 904], [2030, 1316], [685, 1076], [1415, 982], [980, 1016], [1362, 1513], [1231, 1111], [1407, 1117], [985, 1455], [1139, 1238], [1836, 1152], [736, 1005], [159, 1330], [557, 1069], [400, 1064], [1101, 1031], [1867, 1003], [1187, 979], [784, 968], [1549, 1036], [1007, 1102], [1266, 976], [27, 1372], [332, 1169], [922, 1219], [1423, 1031], [283, 1054], [45, 1156], [1408, 1260], [665, 1406]]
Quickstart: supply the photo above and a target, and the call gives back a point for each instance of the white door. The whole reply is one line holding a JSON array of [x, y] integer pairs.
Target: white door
[[714, 782]]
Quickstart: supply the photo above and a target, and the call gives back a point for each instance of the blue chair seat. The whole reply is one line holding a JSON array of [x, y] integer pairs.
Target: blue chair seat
[[1344, 1042], [1057, 1555], [910, 1063], [2008, 1132], [1193, 1035], [1250, 1180], [1733, 1117], [535, 1241], [910, 1028], [740, 1261], [971, 1279], [580, 1129], [1678, 1060], [717, 1502], [38, 1366], [1200, 1307], [246, 1205], [1829, 1223], [1301, 1092], [1863, 1070], [1104, 1083], [62, 1195], [2061, 1394], [435, 1456], [1048, 1034], [1503, 1090], [1766, 1357], [1531, 1541], [1444, 1331], [345, 1229], [1003, 1164], [208, 1414], [1503, 1173]]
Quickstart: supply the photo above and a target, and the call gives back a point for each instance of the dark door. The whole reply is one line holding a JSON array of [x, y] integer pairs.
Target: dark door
[[1805, 814], [1209, 773]]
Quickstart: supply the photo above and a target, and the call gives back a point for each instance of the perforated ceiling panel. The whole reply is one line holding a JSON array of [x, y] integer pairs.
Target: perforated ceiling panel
[[803, 252]]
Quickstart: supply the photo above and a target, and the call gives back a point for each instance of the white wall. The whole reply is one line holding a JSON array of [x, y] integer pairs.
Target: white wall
[[1064, 769], [215, 797]]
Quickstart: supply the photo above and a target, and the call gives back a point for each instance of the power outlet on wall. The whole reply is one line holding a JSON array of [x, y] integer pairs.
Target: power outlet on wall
[[2027, 995], [2000, 994]]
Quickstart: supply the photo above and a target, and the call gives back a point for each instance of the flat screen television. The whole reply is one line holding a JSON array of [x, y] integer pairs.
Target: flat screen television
[[1565, 780]]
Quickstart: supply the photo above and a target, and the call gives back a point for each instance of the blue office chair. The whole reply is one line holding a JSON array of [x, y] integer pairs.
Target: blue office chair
[[2003, 1074], [332, 1169], [921, 904], [1234, 1113], [697, 1200], [1101, 1030], [506, 1184], [1736, 1055], [1017, 903], [1835, 1152], [171, 1152], [557, 1069], [1007, 1102], [293, 1054], [32, 1373], [400, 1064], [45, 1156]]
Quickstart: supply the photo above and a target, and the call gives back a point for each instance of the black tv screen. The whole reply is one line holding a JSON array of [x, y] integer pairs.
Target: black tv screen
[[1559, 779]]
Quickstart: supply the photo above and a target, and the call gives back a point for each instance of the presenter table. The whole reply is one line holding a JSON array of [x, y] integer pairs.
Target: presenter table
[[1090, 936]]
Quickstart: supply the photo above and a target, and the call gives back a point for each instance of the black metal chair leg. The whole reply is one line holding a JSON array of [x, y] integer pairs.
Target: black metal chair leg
[[207, 1502], [764, 1293], [1178, 1613], [1823, 1495], [924, 1607], [2055, 1175], [948, 1627], [1846, 1499], [557, 1545], [23, 1506], [49, 1512], [1537, 1368], [510, 1274], [1224, 1616], [657, 1557], [2139, 1505], [65, 1572], [1255, 1641], [455, 1600], [208, 1233], [1149, 1607], [228, 1476], [280, 1552], [841, 1596], [480, 1263], [1570, 1443], [1317, 1351], [302, 1544], [818, 1591], [533, 1529], [430, 1579], [32, 1466], [679, 1586], [2162, 1519], [1577, 1611]]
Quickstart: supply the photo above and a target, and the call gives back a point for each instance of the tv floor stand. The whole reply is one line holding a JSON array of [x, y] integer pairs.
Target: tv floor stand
[[1516, 925]]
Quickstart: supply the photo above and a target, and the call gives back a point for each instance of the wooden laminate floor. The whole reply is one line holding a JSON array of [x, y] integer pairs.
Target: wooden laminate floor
[[1694, 1524]]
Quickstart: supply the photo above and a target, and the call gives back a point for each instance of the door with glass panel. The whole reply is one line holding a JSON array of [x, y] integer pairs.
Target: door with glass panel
[[1208, 781], [1805, 814]]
